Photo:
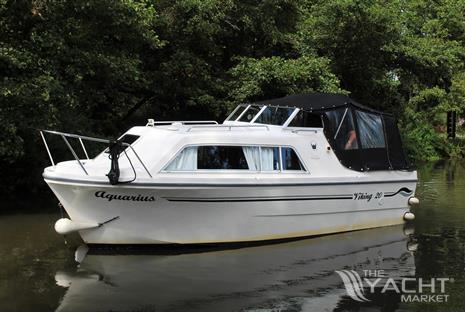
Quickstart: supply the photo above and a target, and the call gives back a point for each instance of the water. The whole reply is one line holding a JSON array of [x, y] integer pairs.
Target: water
[[39, 272]]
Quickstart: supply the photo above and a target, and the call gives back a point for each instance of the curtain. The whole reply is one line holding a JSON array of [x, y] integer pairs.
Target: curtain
[[186, 160], [252, 155], [268, 158]]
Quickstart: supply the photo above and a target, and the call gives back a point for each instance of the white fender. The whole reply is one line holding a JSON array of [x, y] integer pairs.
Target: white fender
[[65, 226], [413, 201], [408, 216]]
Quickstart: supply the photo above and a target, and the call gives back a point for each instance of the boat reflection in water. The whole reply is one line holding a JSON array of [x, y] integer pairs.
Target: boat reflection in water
[[298, 275]]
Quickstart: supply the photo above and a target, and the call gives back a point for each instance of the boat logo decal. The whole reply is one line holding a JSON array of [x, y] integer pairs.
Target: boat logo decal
[[137, 198], [403, 191]]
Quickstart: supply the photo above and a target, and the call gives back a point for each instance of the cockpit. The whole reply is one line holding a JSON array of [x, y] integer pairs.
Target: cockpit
[[362, 138]]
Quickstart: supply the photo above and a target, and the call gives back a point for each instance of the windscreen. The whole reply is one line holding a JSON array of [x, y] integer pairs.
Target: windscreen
[[250, 113], [237, 112], [273, 115]]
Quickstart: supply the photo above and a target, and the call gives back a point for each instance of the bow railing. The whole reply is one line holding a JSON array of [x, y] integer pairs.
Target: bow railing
[[82, 138]]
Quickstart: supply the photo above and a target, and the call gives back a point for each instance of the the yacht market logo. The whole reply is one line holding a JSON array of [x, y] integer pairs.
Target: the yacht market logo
[[411, 289]]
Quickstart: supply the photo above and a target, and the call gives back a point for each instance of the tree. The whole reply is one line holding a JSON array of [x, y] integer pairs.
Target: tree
[[69, 65], [405, 57], [258, 79], [101, 66]]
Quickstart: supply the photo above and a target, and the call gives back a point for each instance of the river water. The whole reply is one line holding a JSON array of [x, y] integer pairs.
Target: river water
[[38, 271]]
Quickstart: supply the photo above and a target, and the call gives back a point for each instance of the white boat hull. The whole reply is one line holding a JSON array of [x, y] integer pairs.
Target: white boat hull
[[223, 214]]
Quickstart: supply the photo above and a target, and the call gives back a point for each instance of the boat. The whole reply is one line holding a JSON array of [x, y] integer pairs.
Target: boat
[[296, 166]]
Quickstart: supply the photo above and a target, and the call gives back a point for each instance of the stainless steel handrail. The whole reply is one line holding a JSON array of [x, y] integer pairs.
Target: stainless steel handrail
[[77, 136], [84, 148], [140, 160], [65, 135], [152, 123], [227, 126], [302, 130], [74, 153]]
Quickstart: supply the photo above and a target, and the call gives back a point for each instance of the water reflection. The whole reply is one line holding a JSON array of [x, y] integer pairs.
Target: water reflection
[[294, 276], [297, 276]]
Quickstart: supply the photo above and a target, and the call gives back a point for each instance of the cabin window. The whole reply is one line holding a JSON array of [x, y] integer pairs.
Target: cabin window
[[270, 158], [273, 115], [290, 160], [342, 125], [254, 158], [209, 157], [250, 113], [237, 112], [221, 157], [370, 128], [185, 161], [306, 120]]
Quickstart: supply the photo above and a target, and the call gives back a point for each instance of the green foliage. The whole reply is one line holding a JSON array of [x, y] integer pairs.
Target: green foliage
[[69, 65], [100, 66], [421, 139], [204, 40], [407, 57], [358, 37], [255, 79]]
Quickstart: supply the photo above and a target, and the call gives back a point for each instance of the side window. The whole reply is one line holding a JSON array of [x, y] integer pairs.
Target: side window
[[307, 120], [185, 161], [370, 127], [221, 157], [342, 127], [209, 157], [290, 159], [252, 158]]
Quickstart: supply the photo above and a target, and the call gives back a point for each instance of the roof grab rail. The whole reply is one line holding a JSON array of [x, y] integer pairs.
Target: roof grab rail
[[153, 123], [229, 127], [64, 136], [304, 130]]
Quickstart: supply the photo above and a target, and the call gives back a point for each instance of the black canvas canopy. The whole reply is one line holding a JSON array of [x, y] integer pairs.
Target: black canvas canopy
[[362, 138], [314, 102]]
